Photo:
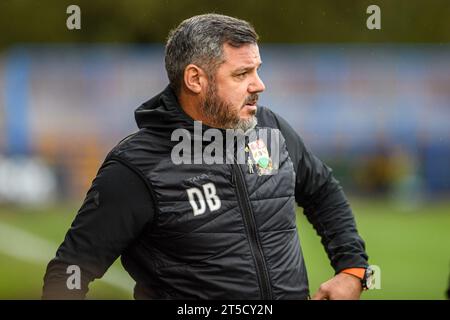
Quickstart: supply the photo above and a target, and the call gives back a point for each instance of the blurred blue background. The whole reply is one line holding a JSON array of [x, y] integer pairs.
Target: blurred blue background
[[378, 114]]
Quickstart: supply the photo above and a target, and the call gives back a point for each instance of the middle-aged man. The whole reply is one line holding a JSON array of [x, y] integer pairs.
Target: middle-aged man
[[210, 230]]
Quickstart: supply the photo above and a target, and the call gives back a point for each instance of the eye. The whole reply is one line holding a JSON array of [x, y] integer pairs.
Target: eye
[[241, 75]]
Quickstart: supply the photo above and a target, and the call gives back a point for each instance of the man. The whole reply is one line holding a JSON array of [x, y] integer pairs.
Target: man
[[216, 230]]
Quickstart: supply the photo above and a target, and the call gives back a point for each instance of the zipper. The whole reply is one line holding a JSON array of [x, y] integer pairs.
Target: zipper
[[250, 226]]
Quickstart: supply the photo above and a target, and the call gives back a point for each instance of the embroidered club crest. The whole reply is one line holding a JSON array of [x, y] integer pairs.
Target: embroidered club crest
[[261, 157]]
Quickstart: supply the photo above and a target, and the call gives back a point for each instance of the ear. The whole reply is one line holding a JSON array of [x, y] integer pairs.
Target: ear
[[194, 78]]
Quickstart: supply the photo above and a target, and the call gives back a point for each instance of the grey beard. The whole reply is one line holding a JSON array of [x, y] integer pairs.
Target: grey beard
[[247, 124], [220, 115]]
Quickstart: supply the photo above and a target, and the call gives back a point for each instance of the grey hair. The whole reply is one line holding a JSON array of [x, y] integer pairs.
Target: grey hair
[[199, 40]]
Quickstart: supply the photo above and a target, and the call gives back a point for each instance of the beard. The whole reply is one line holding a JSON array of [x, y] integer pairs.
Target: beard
[[221, 114]]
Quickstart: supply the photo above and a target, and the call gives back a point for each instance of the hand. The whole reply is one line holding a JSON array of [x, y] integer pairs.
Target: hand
[[342, 286]]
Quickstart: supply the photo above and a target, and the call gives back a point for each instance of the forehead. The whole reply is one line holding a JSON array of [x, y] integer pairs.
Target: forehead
[[246, 55]]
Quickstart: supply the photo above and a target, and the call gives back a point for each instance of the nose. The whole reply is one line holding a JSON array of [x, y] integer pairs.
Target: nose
[[256, 86]]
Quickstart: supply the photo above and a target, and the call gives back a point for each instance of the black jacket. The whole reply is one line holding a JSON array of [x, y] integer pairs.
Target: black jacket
[[204, 231]]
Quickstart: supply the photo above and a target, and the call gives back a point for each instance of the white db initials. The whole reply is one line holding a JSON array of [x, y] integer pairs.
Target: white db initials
[[197, 200]]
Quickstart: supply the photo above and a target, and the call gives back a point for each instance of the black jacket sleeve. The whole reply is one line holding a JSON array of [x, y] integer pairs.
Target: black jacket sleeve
[[324, 204], [116, 208]]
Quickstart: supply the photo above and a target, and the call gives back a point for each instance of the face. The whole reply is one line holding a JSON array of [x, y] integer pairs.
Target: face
[[232, 94]]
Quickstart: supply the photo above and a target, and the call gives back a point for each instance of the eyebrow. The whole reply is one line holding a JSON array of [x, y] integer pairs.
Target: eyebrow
[[246, 68]]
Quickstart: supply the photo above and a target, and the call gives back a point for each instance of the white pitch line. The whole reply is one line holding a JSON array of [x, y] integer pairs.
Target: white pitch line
[[25, 246]]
